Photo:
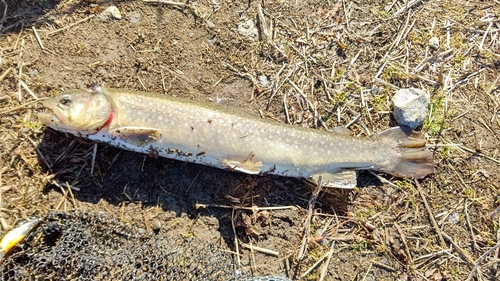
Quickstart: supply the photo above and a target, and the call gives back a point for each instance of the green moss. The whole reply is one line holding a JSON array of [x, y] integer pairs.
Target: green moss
[[380, 103], [391, 73], [339, 98], [32, 125], [361, 246], [434, 123], [445, 152]]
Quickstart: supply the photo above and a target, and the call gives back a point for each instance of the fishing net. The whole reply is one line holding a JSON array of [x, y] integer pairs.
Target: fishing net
[[84, 245]]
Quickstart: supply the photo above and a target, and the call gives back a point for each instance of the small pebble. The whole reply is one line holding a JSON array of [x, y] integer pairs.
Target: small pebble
[[263, 81], [434, 43], [454, 218], [110, 12], [410, 107], [135, 17], [156, 225], [248, 29]]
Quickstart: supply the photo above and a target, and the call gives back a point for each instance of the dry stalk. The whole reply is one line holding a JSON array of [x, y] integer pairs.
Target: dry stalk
[[166, 2], [5, 73], [259, 249], [40, 43], [235, 239], [255, 208], [316, 264], [70, 25], [476, 247], [476, 266], [307, 223], [405, 243], [406, 7]]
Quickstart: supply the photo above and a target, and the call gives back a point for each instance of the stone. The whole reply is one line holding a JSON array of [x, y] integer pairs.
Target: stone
[[410, 107], [110, 12], [263, 81], [434, 43], [248, 29]]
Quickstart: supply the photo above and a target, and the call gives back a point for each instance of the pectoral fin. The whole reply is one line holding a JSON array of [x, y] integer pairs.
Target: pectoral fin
[[136, 135], [249, 167], [344, 179], [342, 131]]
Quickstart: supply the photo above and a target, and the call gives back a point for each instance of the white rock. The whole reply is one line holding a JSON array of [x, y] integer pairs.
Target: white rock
[[263, 81], [410, 107], [434, 43], [110, 12], [248, 29], [135, 17]]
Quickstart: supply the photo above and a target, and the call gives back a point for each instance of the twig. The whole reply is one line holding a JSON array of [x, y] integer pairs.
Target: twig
[[25, 87], [287, 116], [467, 257], [307, 223], [276, 87], [40, 43], [235, 240], [405, 243], [2, 20], [381, 179], [44, 159], [484, 36], [262, 22], [320, 260], [471, 274], [17, 107], [431, 215], [432, 255], [395, 43], [324, 270], [198, 205], [259, 249], [5, 73], [192, 183], [20, 73], [367, 271], [94, 154], [406, 7], [4, 224], [72, 196], [476, 247], [69, 26], [167, 2], [309, 103], [384, 266], [479, 153]]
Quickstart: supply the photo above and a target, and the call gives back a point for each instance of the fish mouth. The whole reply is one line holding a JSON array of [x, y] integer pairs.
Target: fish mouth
[[53, 116], [52, 119], [47, 117]]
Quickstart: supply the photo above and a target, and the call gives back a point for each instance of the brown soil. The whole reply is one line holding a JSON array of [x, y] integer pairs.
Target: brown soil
[[326, 54]]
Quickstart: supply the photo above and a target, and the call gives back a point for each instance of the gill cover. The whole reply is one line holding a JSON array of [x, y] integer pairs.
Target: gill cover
[[77, 112]]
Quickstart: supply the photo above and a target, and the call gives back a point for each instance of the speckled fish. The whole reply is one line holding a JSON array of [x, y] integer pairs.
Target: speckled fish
[[224, 137], [16, 235]]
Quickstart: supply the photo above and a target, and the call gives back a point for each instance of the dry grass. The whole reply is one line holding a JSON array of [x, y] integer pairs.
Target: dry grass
[[328, 64]]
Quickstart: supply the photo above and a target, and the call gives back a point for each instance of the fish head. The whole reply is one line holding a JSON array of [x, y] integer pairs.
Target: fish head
[[77, 112]]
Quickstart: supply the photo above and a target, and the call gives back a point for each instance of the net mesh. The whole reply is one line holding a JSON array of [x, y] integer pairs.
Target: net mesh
[[85, 245]]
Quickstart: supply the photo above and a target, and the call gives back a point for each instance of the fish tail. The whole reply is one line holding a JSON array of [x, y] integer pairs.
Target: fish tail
[[415, 160]]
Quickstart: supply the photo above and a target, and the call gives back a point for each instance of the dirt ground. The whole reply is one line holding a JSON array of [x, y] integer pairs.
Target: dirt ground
[[317, 64]]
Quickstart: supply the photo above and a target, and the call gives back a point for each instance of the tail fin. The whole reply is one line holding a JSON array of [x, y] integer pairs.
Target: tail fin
[[416, 160]]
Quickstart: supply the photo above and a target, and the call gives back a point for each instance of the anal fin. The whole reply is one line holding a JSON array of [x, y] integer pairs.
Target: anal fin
[[343, 179], [249, 167]]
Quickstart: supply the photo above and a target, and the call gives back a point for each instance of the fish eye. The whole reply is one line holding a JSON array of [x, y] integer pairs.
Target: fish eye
[[65, 100]]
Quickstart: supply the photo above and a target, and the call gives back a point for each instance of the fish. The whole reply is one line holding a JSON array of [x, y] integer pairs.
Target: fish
[[228, 138], [15, 236]]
